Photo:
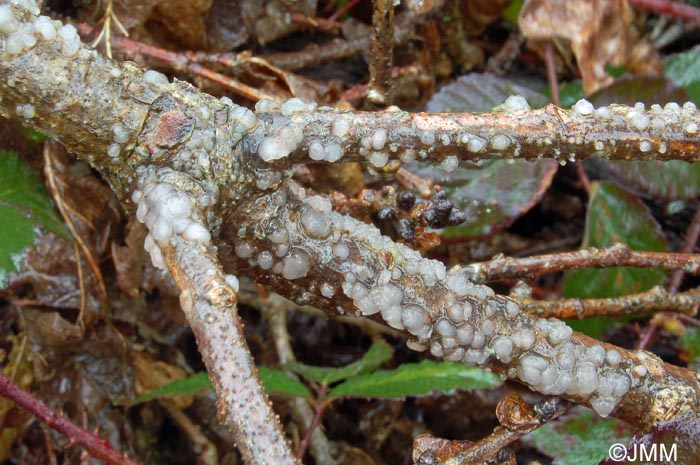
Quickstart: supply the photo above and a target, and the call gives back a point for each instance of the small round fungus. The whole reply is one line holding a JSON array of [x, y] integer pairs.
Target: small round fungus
[[379, 159], [113, 150], [500, 142], [515, 103], [327, 290], [445, 328], [427, 138], [265, 260], [476, 144], [294, 105], [672, 106], [26, 111], [233, 282], [449, 164], [583, 107], [689, 106], [244, 250], [341, 251], [70, 40], [603, 113], [8, 22], [464, 334], [315, 224], [155, 78], [379, 139], [121, 135], [637, 120], [296, 265], [413, 317], [690, 128], [340, 127], [503, 348], [603, 406], [45, 28]]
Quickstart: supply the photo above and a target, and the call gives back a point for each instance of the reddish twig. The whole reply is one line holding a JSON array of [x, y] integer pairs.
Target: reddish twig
[[179, 62], [96, 446], [682, 11], [615, 255]]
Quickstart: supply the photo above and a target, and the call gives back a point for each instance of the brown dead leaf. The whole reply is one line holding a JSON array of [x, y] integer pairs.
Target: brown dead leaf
[[600, 32], [152, 374]]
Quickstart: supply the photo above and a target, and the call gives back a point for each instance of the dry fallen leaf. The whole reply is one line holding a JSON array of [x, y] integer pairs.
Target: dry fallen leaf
[[600, 32]]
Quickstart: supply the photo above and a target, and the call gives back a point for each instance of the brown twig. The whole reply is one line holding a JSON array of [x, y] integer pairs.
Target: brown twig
[[274, 310], [179, 62], [381, 58], [517, 419], [96, 446], [691, 238], [657, 299], [503, 268]]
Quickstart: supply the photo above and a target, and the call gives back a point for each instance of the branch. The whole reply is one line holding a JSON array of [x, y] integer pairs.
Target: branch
[[655, 300], [301, 249], [95, 446], [203, 174], [616, 255]]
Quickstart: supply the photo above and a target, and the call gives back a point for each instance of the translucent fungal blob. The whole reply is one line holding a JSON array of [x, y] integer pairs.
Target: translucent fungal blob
[[296, 265], [583, 107]]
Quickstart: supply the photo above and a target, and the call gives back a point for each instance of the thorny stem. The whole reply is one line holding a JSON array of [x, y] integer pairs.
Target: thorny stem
[[503, 268], [136, 128], [97, 447]]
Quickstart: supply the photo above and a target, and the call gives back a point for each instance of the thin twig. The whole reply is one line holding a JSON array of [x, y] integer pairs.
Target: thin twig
[[657, 299], [619, 254], [682, 11], [179, 62], [381, 59], [96, 446], [691, 238]]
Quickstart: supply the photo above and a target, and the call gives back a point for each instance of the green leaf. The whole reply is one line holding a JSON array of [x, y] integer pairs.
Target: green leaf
[[614, 215], [512, 11], [279, 382], [684, 70], [24, 205], [691, 342], [570, 93], [416, 379], [379, 353], [579, 438], [274, 382], [180, 387]]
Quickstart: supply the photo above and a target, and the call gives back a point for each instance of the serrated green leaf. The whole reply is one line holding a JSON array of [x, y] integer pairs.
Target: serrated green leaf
[[379, 353], [415, 379], [684, 70], [615, 215], [279, 382], [180, 387], [579, 438], [24, 205]]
